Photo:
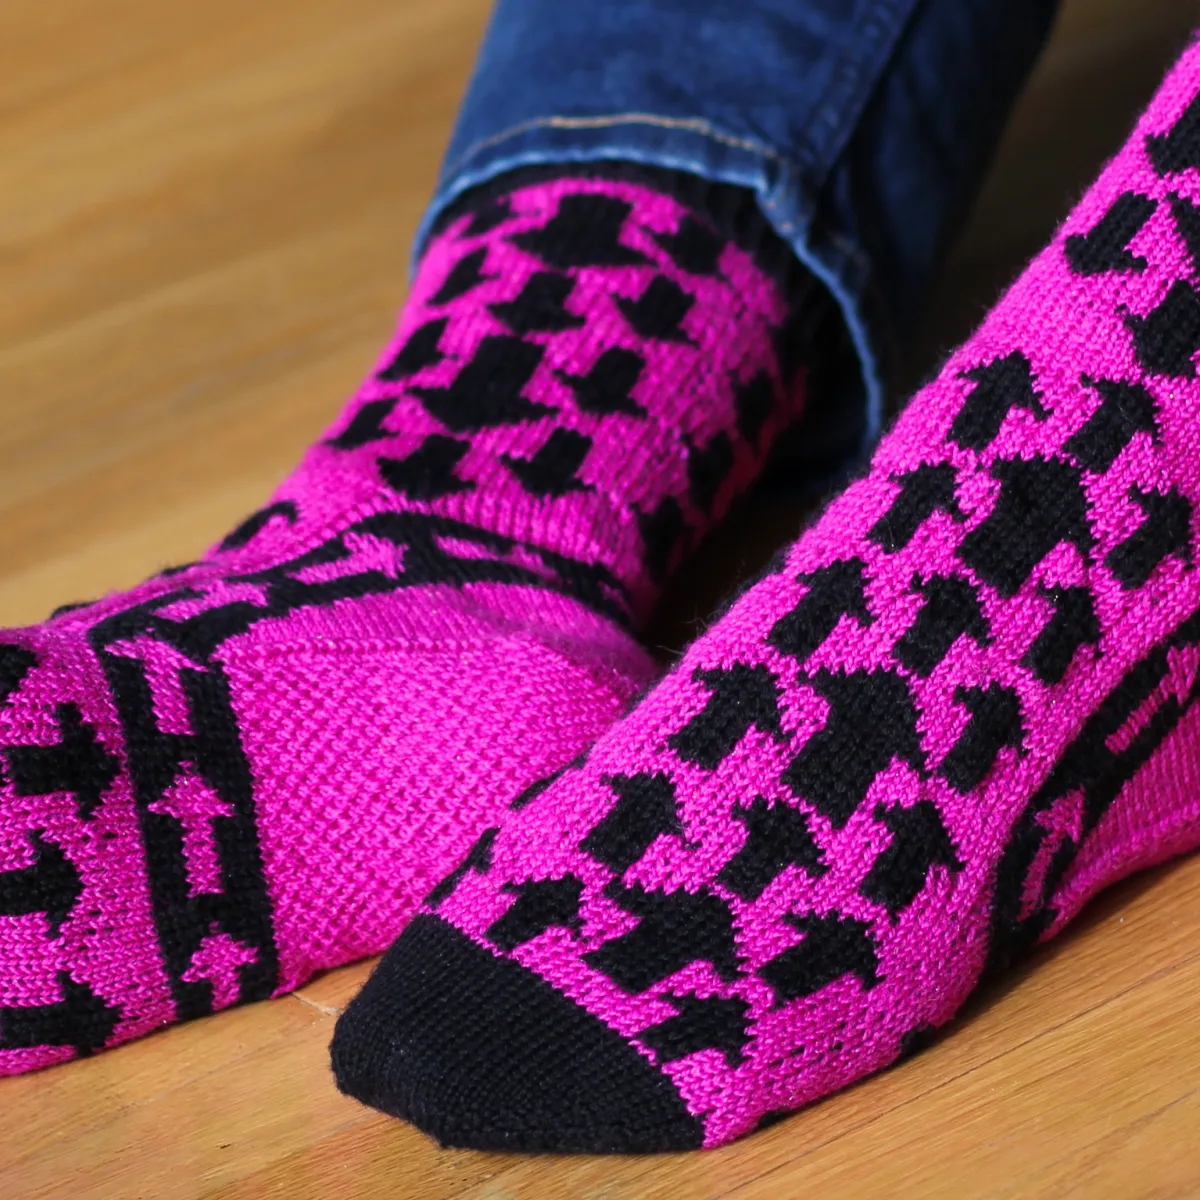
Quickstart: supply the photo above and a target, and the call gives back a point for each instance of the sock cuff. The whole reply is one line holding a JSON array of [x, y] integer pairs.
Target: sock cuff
[[733, 211], [817, 337], [586, 365]]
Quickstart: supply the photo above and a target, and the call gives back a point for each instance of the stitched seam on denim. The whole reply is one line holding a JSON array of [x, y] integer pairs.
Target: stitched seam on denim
[[846, 94], [686, 124], [769, 203], [783, 224], [787, 227]]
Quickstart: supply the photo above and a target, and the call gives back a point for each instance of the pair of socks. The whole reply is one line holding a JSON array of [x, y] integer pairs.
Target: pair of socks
[[963, 703], [960, 705], [255, 766]]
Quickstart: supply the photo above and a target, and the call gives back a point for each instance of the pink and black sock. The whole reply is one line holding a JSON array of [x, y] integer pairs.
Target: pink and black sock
[[255, 766], [964, 704]]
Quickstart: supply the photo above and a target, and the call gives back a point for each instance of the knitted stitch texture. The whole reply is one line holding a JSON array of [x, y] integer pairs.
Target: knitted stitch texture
[[253, 767], [963, 704]]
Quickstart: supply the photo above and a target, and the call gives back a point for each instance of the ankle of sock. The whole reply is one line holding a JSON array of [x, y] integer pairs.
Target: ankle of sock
[[585, 365]]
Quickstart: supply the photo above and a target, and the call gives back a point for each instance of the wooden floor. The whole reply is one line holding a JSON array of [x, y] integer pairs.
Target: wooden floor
[[205, 209]]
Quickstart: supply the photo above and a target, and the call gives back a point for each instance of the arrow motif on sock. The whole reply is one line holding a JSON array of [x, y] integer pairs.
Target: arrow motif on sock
[[1168, 337], [488, 391], [50, 885], [1105, 247], [365, 427], [465, 276], [428, 472], [253, 525], [217, 966], [80, 1019], [644, 811], [657, 314], [78, 764], [539, 905], [1000, 386], [995, 724], [1042, 504], [676, 928], [834, 591], [1073, 624], [951, 610], [833, 946], [1179, 149], [700, 1023], [1128, 409], [478, 859], [1166, 530], [15, 663], [693, 247], [490, 216], [584, 232], [541, 307], [777, 837], [872, 721], [553, 469], [420, 351], [536, 788], [919, 843], [743, 698], [924, 491], [606, 389]]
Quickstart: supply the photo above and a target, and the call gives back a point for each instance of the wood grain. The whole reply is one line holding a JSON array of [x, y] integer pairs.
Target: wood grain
[[205, 210]]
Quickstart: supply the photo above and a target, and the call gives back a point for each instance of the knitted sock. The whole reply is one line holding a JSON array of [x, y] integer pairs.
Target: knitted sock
[[963, 705], [254, 767]]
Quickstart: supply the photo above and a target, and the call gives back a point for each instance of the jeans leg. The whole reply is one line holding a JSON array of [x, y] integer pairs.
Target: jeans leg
[[861, 126]]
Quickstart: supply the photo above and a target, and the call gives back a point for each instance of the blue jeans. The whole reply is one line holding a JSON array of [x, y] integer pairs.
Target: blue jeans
[[861, 126]]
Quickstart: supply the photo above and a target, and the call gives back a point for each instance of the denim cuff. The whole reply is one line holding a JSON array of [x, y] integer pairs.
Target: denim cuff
[[862, 128]]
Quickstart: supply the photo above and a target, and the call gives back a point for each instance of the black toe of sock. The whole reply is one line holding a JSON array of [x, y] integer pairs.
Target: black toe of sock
[[481, 1053]]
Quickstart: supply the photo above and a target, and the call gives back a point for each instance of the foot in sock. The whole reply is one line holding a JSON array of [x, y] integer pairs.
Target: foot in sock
[[963, 705], [254, 767]]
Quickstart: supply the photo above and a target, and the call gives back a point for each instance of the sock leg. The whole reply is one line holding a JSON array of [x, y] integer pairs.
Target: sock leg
[[963, 704]]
